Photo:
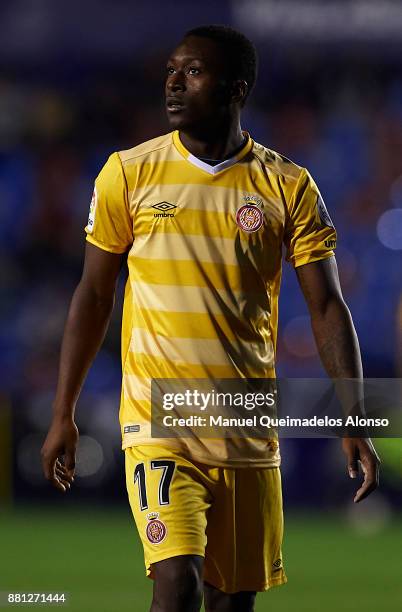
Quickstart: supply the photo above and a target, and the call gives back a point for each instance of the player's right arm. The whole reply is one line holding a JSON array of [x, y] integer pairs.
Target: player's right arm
[[109, 236], [87, 322]]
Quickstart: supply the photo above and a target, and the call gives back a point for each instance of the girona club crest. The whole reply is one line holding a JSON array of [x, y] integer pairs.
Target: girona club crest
[[156, 530], [249, 218]]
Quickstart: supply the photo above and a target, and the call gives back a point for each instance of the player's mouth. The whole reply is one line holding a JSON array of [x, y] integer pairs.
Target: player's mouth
[[174, 105]]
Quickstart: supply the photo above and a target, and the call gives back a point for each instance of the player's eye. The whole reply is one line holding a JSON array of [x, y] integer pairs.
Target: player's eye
[[170, 70], [193, 70]]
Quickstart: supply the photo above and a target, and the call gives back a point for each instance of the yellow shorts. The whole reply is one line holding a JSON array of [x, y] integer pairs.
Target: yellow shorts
[[231, 517]]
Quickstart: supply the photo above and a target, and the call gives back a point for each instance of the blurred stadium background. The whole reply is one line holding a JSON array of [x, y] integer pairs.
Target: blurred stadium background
[[79, 80]]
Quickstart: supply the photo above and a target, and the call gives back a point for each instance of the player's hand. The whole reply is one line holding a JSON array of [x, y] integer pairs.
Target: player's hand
[[58, 453], [361, 450]]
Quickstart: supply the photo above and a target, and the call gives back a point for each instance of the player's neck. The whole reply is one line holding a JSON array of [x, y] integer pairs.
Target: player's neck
[[218, 145]]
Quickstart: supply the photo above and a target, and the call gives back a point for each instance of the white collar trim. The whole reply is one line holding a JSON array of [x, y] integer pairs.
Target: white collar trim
[[212, 169]]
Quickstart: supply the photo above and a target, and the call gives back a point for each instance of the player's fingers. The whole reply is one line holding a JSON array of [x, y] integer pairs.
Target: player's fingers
[[353, 469], [62, 485], [49, 470], [69, 461], [58, 484], [371, 478], [62, 471], [364, 491], [63, 478], [48, 465], [353, 466], [56, 481]]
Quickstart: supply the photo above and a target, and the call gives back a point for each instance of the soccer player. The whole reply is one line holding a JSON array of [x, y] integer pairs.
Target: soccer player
[[202, 213]]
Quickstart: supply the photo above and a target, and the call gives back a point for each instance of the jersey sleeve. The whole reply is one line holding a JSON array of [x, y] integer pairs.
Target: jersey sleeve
[[110, 224], [309, 232]]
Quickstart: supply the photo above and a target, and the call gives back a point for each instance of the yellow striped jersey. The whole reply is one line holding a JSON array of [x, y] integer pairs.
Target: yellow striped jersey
[[204, 258]]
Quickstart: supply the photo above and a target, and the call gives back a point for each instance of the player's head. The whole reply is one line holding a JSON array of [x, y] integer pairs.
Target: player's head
[[209, 76]]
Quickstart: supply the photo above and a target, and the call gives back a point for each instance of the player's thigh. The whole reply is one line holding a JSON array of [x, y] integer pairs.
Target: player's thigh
[[245, 530], [259, 527], [169, 499]]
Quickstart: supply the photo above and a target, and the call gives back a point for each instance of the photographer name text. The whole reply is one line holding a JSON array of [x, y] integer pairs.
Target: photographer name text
[[271, 422]]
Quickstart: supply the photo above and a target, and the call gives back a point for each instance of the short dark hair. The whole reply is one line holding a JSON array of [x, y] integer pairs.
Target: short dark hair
[[240, 52]]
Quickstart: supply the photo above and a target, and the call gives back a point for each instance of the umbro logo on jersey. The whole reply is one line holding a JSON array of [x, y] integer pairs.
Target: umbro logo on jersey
[[164, 207]]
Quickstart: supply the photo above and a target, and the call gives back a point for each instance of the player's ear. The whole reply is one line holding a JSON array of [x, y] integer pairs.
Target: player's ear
[[239, 91]]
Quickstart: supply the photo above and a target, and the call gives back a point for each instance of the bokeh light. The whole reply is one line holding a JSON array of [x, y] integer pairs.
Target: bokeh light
[[298, 337], [90, 457], [370, 517], [389, 229]]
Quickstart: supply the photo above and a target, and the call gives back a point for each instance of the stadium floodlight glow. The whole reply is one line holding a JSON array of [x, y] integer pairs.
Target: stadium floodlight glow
[[371, 518], [90, 457], [389, 229], [298, 338], [395, 192], [333, 20]]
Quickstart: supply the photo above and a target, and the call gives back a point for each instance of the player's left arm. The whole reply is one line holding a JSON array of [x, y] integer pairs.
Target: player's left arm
[[338, 347]]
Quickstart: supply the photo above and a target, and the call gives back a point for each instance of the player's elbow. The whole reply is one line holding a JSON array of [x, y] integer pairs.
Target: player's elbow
[[92, 298], [332, 308]]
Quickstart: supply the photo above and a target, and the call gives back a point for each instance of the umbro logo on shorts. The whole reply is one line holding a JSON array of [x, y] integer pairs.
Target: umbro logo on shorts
[[164, 207]]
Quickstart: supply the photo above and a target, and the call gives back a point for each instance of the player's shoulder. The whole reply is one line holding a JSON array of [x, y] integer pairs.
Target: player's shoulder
[[145, 149], [277, 164], [129, 163]]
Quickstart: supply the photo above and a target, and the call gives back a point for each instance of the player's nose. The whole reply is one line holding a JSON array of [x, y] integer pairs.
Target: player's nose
[[176, 82]]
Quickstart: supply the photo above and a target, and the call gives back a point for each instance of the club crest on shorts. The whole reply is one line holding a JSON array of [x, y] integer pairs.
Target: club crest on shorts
[[249, 216], [156, 530]]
